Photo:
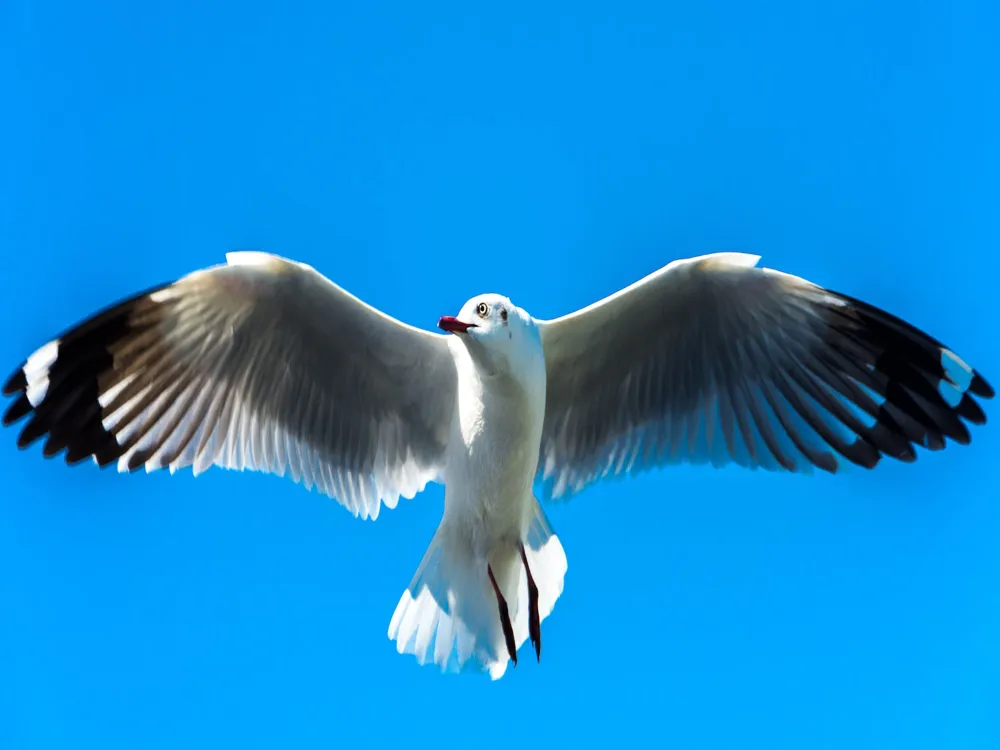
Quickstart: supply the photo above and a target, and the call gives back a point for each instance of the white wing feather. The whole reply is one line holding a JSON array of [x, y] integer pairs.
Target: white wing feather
[[259, 364], [712, 359]]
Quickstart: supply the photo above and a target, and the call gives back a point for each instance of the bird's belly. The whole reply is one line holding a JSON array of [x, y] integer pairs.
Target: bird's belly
[[488, 491]]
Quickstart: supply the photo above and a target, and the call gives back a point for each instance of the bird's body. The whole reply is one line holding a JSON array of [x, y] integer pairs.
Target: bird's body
[[265, 364], [493, 449], [489, 507]]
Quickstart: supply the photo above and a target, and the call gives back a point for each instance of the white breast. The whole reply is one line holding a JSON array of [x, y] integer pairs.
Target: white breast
[[492, 455]]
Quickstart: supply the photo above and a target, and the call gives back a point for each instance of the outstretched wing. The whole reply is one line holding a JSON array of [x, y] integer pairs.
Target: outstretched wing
[[259, 364], [713, 359]]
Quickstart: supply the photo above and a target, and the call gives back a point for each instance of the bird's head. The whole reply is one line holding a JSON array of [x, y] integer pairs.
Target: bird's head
[[500, 336]]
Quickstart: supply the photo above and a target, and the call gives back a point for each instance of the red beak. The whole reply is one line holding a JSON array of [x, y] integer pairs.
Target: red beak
[[454, 325]]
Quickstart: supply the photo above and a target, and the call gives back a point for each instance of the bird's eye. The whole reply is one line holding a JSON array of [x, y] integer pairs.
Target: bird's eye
[[482, 309], [503, 314]]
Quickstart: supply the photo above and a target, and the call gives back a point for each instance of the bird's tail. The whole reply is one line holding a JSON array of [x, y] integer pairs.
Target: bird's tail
[[449, 614]]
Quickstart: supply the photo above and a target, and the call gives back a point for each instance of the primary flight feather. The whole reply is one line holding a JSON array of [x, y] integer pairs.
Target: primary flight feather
[[264, 364]]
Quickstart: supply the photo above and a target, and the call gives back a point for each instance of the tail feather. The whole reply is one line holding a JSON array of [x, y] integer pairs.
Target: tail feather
[[547, 561], [448, 615]]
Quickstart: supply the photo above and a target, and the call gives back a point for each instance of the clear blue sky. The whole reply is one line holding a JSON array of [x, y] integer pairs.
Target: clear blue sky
[[418, 154]]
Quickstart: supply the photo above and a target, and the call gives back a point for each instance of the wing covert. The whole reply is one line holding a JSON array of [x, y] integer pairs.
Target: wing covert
[[259, 364], [714, 360]]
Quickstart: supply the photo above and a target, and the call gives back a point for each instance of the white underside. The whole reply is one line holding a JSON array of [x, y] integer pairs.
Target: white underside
[[448, 615]]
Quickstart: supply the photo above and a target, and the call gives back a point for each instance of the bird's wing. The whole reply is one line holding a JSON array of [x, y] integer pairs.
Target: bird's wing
[[712, 359], [258, 364]]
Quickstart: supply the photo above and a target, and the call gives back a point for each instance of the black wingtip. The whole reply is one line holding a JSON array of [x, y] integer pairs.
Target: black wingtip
[[971, 411], [17, 382], [980, 387], [17, 410], [67, 413], [915, 374]]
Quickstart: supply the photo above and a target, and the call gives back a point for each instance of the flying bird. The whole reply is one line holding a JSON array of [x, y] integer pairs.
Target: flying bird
[[264, 364]]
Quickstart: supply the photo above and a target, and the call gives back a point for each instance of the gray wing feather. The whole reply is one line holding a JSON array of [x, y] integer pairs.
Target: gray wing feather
[[712, 359], [260, 364]]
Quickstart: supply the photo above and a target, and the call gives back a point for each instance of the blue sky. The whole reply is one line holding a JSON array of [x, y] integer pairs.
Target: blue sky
[[419, 153]]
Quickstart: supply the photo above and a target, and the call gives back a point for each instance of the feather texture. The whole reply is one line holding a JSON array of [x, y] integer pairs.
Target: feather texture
[[260, 364], [714, 359]]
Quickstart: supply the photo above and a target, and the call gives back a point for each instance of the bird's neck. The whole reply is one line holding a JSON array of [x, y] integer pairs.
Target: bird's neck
[[512, 402]]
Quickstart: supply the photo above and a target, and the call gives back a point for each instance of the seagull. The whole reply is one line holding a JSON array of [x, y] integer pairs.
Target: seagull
[[264, 364]]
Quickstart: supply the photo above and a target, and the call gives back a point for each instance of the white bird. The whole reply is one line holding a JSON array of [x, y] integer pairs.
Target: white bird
[[265, 364]]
